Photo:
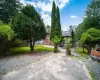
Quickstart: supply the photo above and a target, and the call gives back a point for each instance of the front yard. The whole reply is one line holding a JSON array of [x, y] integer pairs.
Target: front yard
[[26, 49]]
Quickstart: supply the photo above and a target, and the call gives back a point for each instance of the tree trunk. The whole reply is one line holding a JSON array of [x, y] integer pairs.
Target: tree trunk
[[1, 50], [55, 48], [31, 46], [83, 49], [88, 48]]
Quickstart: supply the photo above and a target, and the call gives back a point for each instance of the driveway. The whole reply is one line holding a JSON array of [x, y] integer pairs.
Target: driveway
[[53, 67], [9, 64]]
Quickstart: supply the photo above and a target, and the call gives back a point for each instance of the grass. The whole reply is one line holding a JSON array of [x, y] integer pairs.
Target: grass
[[23, 50], [92, 75], [3, 73], [80, 51]]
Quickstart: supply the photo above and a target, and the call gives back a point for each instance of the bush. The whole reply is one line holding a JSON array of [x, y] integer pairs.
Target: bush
[[68, 51], [91, 37], [6, 34], [68, 46]]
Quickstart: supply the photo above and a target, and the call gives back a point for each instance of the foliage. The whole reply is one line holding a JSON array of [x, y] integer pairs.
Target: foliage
[[28, 25], [58, 25], [80, 51], [68, 51], [56, 40], [92, 15], [6, 30], [91, 37], [6, 35], [53, 20], [78, 31], [8, 9], [91, 20], [68, 45], [56, 34], [23, 50], [85, 38], [67, 40]]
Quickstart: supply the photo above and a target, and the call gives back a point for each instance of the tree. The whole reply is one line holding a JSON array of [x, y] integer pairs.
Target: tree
[[92, 19], [59, 33], [28, 25], [6, 35], [79, 30], [55, 35], [72, 34], [53, 20], [90, 38], [8, 9]]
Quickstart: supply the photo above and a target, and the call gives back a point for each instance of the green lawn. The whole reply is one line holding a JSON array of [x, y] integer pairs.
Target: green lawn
[[23, 50], [80, 51]]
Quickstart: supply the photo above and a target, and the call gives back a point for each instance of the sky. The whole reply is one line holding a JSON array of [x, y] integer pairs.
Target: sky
[[72, 12]]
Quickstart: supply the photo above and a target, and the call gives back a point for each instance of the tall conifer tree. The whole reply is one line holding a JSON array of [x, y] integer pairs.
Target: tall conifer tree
[[53, 20], [55, 35]]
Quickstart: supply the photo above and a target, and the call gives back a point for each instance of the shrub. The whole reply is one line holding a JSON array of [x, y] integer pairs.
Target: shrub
[[68, 51], [6, 34], [90, 38]]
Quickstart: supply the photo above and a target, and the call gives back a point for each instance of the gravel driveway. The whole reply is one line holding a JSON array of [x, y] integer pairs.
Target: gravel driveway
[[16, 62], [52, 67]]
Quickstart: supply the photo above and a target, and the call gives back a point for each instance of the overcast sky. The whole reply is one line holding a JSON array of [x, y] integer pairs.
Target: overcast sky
[[71, 11]]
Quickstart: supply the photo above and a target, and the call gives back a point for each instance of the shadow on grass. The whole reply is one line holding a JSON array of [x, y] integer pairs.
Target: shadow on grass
[[26, 50]]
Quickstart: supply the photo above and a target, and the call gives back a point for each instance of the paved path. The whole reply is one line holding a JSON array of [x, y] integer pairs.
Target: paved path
[[54, 67], [92, 65], [74, 53]]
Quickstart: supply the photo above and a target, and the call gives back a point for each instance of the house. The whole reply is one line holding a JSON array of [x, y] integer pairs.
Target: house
[[47, 40]]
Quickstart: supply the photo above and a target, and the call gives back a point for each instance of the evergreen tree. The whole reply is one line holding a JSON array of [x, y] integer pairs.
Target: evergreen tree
[[55, 35], [8, 9], [53, 20], [28, 25], [58, 23]]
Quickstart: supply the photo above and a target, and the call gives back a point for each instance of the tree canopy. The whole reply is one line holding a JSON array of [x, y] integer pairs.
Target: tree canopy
[[91, 37], [28, 25], [8, 9], [91, 20], [6, 35], [56, 34]]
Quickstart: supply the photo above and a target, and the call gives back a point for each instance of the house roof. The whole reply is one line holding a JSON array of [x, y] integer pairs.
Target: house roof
[[66, 33]]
